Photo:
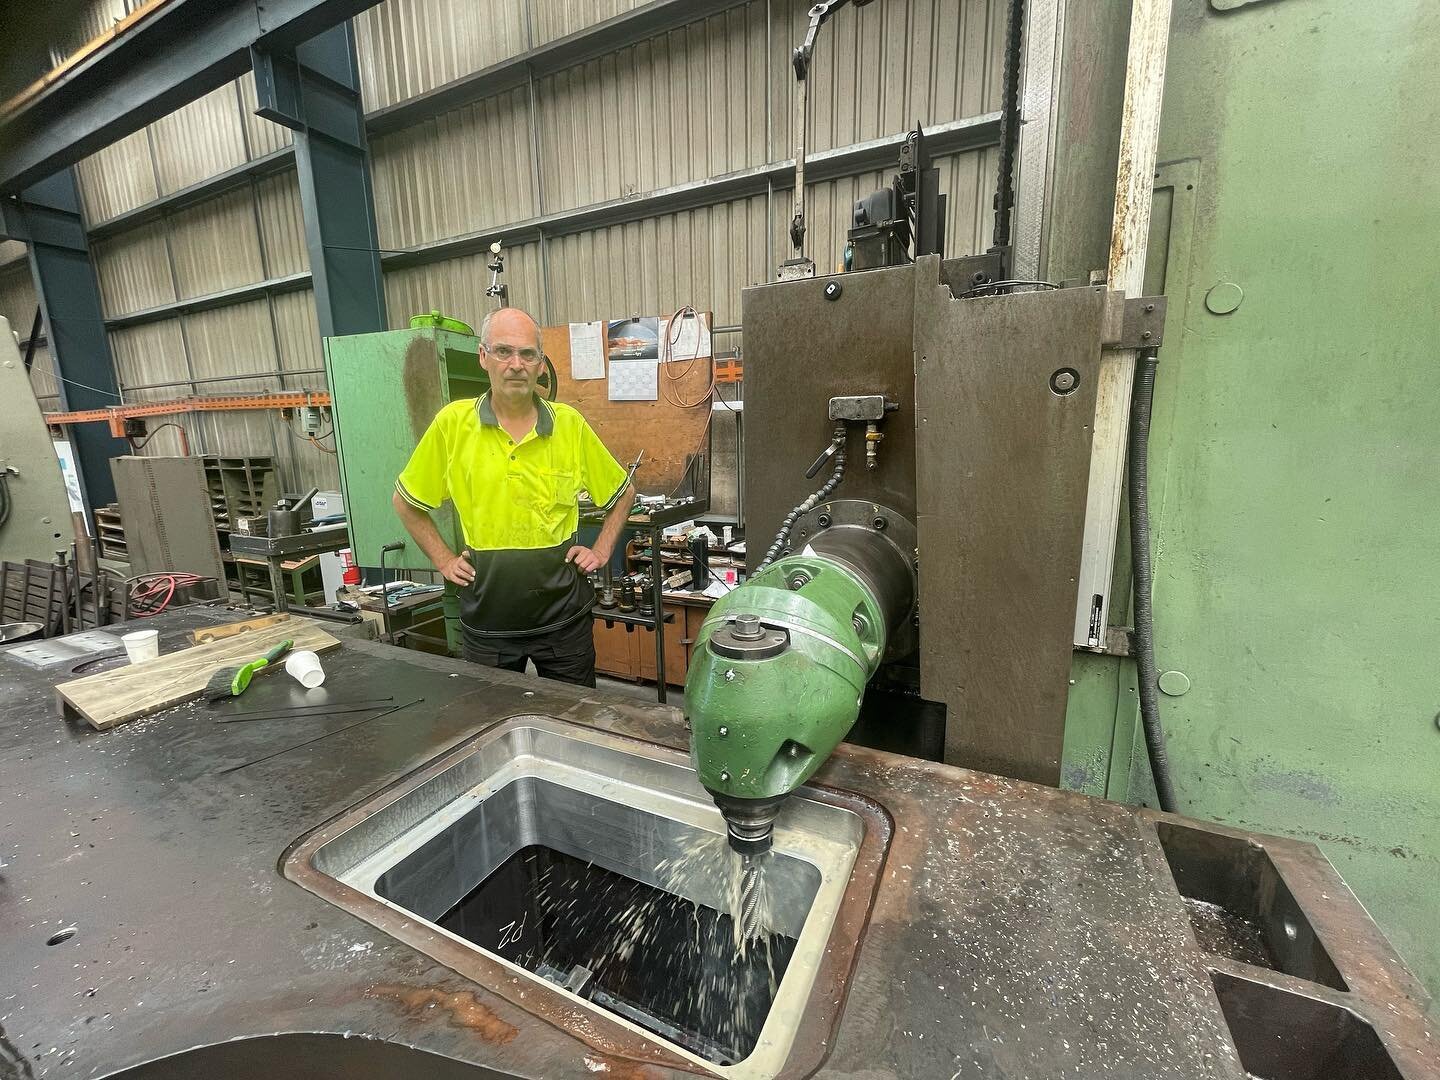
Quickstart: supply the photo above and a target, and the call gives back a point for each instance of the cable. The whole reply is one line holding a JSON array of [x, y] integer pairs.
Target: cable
[[674, 327], [87, 386], [313, 440], [991, 286], [712, 392], [184, 438], [4, 496], [1140, 407], [694, 456], [715, 392], [150, 594], [837, 441], [36, 325]]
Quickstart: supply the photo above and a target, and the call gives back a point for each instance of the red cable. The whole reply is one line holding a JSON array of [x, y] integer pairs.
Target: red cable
[[141, 601]]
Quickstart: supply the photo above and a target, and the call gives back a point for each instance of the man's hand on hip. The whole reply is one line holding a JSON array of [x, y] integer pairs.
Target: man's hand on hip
[[586, 559], [457, 568]]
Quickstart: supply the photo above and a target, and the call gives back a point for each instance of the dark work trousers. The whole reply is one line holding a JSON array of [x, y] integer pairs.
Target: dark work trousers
[[566, 655]]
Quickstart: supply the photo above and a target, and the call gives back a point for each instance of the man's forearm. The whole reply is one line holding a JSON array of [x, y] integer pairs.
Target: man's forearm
[[422, 530], [615, 521]]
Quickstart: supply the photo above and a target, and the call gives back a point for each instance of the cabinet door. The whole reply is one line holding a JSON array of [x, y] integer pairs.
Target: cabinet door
[[616, 650], [676, 653]]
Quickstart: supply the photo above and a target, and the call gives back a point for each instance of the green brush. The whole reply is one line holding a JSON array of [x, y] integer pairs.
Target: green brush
[[232, 681]]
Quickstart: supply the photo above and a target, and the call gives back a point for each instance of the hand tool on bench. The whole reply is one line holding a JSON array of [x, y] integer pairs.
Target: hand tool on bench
[[230, 682]]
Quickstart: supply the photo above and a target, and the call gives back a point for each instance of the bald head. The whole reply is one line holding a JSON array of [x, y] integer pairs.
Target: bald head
[[509, 324], [512, 354]]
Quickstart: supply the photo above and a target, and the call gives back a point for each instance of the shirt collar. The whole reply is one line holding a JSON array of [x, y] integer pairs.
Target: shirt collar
[[544, 414]]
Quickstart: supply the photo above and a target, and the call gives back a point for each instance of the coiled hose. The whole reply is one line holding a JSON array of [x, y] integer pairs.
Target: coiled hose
[[1141, 403], [837, 442]]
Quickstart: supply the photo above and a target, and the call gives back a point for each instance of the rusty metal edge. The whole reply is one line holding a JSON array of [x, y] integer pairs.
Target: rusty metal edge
[[1383, 992]]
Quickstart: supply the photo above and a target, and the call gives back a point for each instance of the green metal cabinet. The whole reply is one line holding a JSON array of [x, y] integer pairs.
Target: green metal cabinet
[[385, 389]]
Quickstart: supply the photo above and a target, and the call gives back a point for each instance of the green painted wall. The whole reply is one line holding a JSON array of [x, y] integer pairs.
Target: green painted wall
[[1296, 452]]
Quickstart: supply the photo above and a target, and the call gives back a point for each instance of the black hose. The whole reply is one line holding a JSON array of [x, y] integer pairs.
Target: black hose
[[783, 536], [4, 497], [1009, 124], [1141, 403]]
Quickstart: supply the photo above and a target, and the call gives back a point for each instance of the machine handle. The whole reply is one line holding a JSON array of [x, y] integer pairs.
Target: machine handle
[[825, 455]]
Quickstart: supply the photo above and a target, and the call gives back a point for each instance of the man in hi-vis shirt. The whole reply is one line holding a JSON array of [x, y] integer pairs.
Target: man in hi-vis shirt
[[514, 465]]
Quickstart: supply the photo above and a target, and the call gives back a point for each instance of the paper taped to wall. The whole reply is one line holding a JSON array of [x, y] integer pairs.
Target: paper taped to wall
[[691, 337], [587, 350]]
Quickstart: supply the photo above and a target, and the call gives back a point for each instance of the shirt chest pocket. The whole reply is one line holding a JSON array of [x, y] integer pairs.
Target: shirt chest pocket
[[562, 487]]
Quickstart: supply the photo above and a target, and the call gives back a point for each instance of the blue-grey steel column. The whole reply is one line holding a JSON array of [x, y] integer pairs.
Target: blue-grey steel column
[[315, 91], [47, 216]]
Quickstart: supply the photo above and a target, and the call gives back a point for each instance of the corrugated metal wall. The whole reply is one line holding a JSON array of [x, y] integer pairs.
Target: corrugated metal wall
[[84, 22], [248, 234], [710, 98], [683, 106], [410, 47], [464, 171], [17, 293], [553, 19]]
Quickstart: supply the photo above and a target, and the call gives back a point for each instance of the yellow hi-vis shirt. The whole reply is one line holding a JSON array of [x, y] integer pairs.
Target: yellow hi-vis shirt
[[518, 507]]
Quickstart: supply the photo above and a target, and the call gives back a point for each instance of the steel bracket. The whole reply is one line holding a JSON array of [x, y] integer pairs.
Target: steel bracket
[[796, 269], [12, 220], [1118, 641], [1133, 323]]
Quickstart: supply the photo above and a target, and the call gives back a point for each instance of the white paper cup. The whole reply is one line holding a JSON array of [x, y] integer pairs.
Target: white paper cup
[[304, 667], [141, 645]]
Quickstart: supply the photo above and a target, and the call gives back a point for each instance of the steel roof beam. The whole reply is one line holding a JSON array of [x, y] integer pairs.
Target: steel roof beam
[[186, 48]]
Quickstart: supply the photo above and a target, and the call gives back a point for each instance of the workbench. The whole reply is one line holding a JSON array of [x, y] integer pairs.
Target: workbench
[[292, 570], [282, 554], [1014, 930], [654, 523]]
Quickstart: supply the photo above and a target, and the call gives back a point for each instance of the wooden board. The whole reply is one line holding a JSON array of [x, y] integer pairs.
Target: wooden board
[[289, 566], [112, 697], [669, 434], [207, 634]]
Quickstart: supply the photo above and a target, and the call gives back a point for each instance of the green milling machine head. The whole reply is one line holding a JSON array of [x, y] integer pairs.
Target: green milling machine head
[[779, 671]]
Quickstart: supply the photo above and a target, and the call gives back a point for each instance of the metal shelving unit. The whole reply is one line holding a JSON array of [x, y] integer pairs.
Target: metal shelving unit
[[110, 531], [654, 523], [239, 487]]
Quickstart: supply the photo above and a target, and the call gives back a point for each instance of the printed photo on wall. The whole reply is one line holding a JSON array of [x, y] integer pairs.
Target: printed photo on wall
[[634, 339]]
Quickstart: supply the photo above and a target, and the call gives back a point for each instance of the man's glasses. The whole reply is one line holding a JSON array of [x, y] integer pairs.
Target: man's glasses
[[508, 352]]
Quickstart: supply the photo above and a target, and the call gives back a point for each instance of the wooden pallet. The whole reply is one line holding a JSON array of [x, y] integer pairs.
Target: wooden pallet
[[41, 592], [32, 591]]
